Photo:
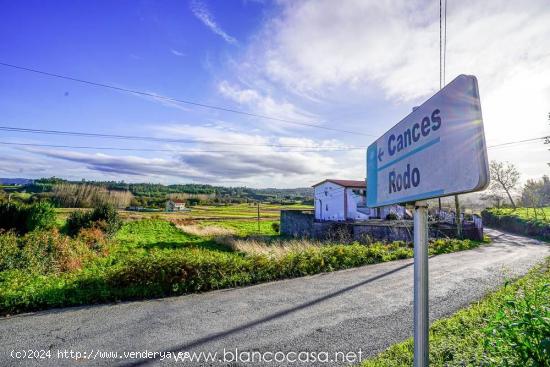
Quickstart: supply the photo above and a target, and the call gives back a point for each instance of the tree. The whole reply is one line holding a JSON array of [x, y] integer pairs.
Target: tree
[[504, 177], [536, 194]]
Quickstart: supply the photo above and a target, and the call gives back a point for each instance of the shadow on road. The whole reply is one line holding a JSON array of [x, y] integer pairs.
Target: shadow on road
[[251, 324]]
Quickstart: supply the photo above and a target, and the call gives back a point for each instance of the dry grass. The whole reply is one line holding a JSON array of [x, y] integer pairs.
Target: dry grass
[[206, 231], [256, 246]]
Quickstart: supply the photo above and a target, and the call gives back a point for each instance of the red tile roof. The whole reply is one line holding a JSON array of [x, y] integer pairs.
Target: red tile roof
[[344, 183]]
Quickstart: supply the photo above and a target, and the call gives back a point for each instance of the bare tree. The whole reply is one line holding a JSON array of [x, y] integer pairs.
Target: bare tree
[[504, 177]]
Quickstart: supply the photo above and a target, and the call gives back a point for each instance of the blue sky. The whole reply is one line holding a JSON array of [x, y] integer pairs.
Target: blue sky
[[355, 65]]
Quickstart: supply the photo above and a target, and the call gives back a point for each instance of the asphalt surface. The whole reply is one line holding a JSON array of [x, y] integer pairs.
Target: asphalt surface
[[365, 310]]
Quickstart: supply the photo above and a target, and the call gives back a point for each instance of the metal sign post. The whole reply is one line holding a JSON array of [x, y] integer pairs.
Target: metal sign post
[[421, 319]]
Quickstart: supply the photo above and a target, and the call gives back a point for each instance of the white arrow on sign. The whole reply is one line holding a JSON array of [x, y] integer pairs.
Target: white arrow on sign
[[437, 150]]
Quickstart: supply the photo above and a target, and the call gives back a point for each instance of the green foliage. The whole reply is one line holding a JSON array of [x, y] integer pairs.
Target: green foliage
[[525, 221], [42, 252], [40, 215], [9, 250], [25, 218], [104, 216], [13, 217], [152, 258], [246, 227], [541, 215], [76, 221], [107, 215], [276, 227], [519, 333], [509, 327]]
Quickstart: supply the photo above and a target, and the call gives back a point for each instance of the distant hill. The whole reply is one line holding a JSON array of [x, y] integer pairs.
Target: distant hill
[[15, 181], [155, 195]]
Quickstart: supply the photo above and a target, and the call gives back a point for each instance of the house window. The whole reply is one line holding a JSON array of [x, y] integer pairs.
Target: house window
[[326, 207], [326, 193]]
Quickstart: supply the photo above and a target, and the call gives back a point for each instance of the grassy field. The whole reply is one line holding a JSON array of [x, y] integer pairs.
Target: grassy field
[[221, 212], [510, 327], [540, 214], [155, 258]]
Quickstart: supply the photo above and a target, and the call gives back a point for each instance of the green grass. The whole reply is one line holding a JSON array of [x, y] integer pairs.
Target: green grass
[[524, 221], [245, 228], [510, 327], [540, 214], [148, 234], [153, 258]]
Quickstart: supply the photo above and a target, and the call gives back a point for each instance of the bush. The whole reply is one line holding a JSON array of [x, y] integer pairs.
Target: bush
[[26, 218], [9, 250], [76, 221], [391, 216], [107, 217], [50, 251], [13, 217], [94, 238], [104, 217], [41, 252], [517, 222], [40, 215], [275, 226]]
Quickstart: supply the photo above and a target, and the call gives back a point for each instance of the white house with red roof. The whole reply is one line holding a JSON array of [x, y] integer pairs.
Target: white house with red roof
[[341, 200], [173, 205]]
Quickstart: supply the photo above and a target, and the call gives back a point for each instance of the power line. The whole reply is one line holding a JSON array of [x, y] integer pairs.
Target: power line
[[169, 150], [148, 138], [308, 149], [440, 52], [518, 141], [445, 45], [178, 100]]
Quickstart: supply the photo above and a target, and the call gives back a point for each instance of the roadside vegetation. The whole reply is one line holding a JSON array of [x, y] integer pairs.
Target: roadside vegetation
[[94, 258], [510, 327], [533, 222]]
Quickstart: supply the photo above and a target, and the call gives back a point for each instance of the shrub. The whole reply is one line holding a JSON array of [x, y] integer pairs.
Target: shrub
[[9, 250], [391, 216], [276, 227], [40, 215], [76, 221], [26, 218], [13, 217], [108, 216], [50, 251], [94, 238], [104, 217]]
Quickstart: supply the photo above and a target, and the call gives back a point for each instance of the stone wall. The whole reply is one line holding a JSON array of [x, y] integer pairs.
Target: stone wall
[[298, 223]]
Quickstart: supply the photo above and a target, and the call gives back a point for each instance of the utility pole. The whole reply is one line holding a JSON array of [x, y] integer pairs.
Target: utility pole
[[258, 217], [458, 219]]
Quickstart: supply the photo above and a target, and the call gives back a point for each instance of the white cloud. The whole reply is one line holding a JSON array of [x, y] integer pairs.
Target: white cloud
[[262, 164], [263, 104], [391, 48], [200, 10], [176, 52]]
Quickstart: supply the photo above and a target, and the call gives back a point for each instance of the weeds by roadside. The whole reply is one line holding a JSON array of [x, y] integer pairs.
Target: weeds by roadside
[[509, 327], [153, 258]]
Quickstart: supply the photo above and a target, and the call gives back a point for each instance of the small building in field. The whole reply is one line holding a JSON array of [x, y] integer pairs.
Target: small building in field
[[345, 200], [175, 205]]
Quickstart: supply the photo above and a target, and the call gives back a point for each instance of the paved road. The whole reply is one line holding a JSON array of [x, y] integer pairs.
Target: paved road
[[367, 309]]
